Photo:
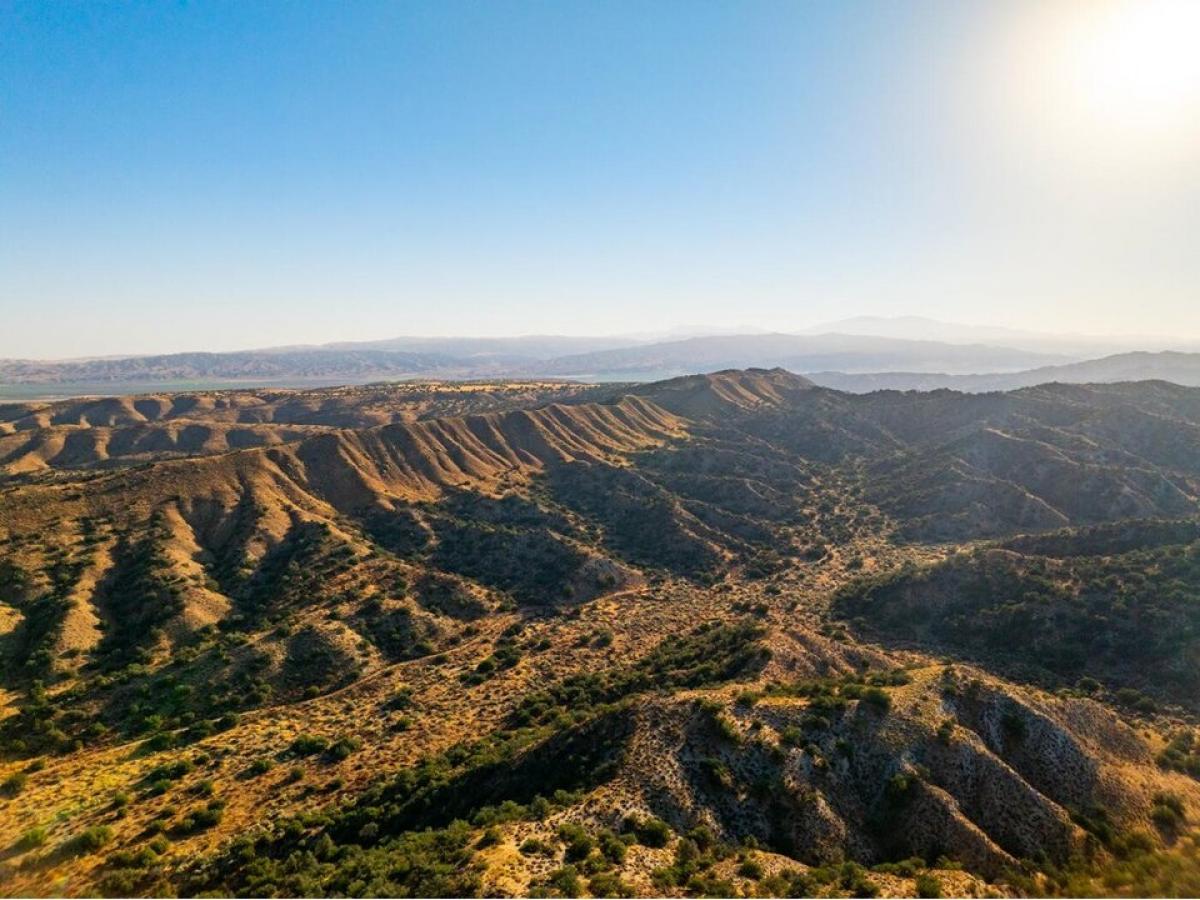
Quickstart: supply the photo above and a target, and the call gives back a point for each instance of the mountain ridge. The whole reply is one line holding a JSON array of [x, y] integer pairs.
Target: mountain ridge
[[1165, 365], [515, 358], [700, 599]]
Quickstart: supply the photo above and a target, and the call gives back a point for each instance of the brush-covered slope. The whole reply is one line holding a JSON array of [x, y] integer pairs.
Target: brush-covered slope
[[726, 634], [1113, 608]]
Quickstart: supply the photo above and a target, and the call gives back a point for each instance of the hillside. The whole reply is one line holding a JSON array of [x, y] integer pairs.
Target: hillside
[[112, 432], [724, 634]]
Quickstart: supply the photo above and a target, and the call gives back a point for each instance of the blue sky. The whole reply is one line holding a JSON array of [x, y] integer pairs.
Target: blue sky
[[202, 175]]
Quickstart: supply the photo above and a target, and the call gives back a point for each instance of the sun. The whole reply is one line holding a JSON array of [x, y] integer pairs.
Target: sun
[[1109, 77], [1136, 65]]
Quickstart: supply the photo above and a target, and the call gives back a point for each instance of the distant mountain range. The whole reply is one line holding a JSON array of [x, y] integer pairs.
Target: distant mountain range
[[1166, 365], [797, 353], [856, 362], [1079, 346]]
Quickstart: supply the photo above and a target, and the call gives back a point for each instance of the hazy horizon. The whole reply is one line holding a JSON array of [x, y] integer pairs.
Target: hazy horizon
[[218, 177], [956, 333]]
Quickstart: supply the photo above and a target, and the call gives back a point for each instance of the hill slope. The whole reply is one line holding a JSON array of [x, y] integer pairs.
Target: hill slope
[[724, 633]]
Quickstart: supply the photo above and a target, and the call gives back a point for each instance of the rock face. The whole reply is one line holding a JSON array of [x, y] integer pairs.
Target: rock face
[[980, 771]]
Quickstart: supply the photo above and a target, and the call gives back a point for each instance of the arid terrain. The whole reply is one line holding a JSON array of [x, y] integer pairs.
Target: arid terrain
[[723, 635]]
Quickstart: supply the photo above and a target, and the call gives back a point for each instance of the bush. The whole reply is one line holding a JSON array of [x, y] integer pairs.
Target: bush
[[14, 784], [612, 847], [89, 840], [853, 878], [945, 732], [1167, 812], [726, 729], [1135, 699], [120, 882], [132, 859], [1014, 726], [534, 847], [199, 818], [608, 884], [401, 699], [159, 741], [159, 787], [578, 842], [750, 868], [928, 886], [168, 772], [717, 772], [309, 745], [32, 839], [652, 832], [343, 747], [878, 698], [562, 882]]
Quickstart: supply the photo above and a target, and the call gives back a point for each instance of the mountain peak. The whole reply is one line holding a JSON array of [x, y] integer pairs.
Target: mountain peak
[[706, 395]]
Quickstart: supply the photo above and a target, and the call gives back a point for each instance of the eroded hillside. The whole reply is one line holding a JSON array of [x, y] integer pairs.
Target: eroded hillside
[[112, 432], [726, 634]]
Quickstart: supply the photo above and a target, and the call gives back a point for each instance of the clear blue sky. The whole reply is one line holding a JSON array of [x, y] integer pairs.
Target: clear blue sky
[[215, 175]]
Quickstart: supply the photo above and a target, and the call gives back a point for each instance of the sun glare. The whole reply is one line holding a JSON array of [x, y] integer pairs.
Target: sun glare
[[1111, 77], [1136, 64]]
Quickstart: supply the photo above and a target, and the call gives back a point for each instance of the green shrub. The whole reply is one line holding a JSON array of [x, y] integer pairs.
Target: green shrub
[[877, 698], [577, 840], [32, 839], [158, 788], [652, 832], [534, 847], [945, 732], [204, 787], [490, 838], [726, 729], [401, 699], [89, 840], [171, 771], [611, 846], [1014, 725], [564, 882], [1167, 811], [608, 884], [343, 747], [309, 745], [750, 868], [928, 886], [132, 859], [199, 818], [159, 741]]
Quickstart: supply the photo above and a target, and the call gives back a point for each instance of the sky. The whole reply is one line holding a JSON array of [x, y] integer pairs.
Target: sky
[[221, 175]]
